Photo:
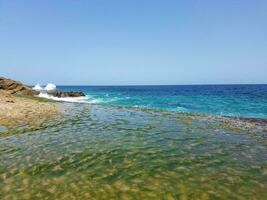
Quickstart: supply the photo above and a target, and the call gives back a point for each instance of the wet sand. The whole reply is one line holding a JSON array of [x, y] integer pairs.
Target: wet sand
[[16, 109]]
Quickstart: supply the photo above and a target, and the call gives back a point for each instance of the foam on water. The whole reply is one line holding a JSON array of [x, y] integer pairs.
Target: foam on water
[[97, 100], [37, 87], [87, 99], [179, 109], [229, 100], [65, 99]]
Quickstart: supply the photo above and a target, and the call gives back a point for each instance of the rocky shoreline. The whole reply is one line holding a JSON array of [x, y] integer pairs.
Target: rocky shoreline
[[19, 105], [15, 87]]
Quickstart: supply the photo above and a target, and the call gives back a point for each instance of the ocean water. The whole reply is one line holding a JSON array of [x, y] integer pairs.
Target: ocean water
[[230, 100], [134, 143]]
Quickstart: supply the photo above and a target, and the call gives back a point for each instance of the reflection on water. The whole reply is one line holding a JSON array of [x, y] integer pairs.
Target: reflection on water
[[103, 152]]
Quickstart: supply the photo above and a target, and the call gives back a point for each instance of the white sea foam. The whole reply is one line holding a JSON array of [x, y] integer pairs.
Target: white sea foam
[[87, 99], [37, 87], [50, 87], [66, 99], [180, 109], [96, 101], [90, 99], [177, 109]]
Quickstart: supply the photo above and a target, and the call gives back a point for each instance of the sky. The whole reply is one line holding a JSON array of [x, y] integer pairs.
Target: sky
[[134, 42]]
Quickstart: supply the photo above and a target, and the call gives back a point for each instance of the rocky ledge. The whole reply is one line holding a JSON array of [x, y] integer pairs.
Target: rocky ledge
[[15, 87], [67, 94]]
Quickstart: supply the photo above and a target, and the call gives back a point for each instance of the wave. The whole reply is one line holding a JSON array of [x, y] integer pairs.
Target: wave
[[87, 99], [179, 109], [65, 99], [98, 100], [91, 99]]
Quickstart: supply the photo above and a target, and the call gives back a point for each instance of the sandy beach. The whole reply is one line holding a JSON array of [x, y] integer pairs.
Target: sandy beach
[[24, 109]]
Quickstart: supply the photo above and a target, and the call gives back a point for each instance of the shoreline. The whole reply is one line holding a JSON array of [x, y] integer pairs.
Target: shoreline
[[23, 109]]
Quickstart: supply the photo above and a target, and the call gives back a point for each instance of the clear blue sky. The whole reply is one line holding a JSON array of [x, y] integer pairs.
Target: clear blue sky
[[120, 42]]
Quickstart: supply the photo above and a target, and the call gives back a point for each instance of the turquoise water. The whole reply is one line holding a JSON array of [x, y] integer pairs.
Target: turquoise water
[[230, 100], [144, 150]]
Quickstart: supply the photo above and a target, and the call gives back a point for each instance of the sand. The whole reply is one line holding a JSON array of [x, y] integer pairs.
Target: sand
[[16, 109]]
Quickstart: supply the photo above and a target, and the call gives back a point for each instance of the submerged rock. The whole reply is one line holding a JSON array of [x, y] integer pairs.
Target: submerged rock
[[15, 87]]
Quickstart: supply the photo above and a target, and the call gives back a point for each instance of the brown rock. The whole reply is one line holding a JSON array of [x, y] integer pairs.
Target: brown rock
[[15, 87]]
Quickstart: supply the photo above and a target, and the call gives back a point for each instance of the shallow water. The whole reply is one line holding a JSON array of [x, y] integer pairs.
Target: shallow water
[[2, 128], [104, 152]]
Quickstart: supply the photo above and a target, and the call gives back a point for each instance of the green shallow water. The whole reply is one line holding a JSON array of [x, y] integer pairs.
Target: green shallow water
[[103, 152]]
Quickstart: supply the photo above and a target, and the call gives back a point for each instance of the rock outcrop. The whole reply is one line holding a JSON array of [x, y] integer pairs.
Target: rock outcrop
[[67, 94], [15, 87]]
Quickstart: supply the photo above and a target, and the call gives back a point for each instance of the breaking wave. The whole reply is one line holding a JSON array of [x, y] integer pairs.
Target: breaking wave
[[65, 99], [87, 99]]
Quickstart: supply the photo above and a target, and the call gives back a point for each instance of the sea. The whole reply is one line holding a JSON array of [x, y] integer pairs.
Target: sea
[[142, 142], [229, 100]]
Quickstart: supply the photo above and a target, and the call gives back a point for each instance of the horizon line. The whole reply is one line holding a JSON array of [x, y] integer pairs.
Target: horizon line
[[200, 84]]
